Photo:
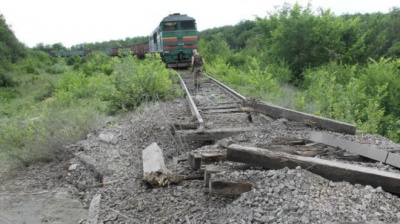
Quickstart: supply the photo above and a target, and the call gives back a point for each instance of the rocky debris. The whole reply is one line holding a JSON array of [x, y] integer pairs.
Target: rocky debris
[[155, 172], [108, 138], [162, 178], [298, 196], [73, 167], [98, 170], [94, 209], [153, 159], [277, 196]]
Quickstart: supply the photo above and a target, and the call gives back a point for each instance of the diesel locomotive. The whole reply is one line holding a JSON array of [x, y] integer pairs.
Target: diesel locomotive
[[174, 39]]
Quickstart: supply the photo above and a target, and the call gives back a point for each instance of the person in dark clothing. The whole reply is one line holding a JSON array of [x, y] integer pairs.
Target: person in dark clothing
[[197, 64]]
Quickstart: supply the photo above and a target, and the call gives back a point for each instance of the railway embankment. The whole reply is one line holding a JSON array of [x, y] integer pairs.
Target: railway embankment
[[214, 185]]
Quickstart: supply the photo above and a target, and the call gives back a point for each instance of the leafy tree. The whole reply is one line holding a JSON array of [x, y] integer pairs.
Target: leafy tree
[[215, 47], [306, 40], [380, 73], [11, 50]]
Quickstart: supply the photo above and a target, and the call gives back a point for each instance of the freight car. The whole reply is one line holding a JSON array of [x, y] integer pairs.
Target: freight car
[[174, 39]]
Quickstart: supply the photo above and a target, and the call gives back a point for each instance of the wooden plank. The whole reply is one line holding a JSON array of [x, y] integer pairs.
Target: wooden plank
[[352, 147], [228, 188], [179, 159], [197, 159], [280, 112], [212, 134], [332, 170], [212, 157], [194, 160]]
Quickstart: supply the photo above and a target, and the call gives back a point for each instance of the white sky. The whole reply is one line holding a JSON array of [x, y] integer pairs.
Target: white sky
[[72, 22]]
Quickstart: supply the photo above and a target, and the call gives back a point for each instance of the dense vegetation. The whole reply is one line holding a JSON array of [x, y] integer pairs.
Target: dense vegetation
[[342, 67], [11, 50], [59, 104], [49, 102]]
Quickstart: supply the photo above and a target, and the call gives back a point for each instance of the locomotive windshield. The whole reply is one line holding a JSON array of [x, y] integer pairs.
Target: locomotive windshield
[[184, 25], [188, 25], [168, 26]]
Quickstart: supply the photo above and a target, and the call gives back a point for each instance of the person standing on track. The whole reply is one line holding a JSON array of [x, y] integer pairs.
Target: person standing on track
[[197, 64]]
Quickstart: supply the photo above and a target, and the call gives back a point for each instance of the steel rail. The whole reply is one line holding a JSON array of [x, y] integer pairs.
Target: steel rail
[[226, 88], [192, 105]]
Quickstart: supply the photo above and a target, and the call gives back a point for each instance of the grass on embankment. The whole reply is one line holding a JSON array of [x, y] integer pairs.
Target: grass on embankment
[[50, 111]]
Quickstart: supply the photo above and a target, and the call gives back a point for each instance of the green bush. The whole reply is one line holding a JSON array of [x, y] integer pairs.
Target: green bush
[[6, 94], [355, 95], [73, 85], [75, 59], [380, 73], [98, 62], [6, 80], [46, 93], [341, 72], [280, 72], [137, 81], [35, 130], [56, 69], [391, 127], [35, 61]]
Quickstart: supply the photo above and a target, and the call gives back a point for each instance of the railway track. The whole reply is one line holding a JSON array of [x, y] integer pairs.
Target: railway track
[[279, 137], [215, 111]]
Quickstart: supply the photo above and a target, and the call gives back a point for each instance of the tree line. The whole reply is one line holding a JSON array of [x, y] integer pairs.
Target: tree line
[[344, 67], [304, 39], [90, 46]]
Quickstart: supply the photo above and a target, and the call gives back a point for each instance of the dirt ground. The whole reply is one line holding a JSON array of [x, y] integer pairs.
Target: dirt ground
[[55, 206]]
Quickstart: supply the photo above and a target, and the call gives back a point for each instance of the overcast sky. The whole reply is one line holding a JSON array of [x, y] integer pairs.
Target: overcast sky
[[72, 22]]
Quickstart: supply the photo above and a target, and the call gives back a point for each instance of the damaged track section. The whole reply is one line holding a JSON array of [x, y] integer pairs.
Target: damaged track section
[[267, 157], [215, 112]]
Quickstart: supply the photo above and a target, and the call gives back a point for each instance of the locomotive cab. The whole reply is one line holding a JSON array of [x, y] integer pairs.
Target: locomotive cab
[[174, 39]]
